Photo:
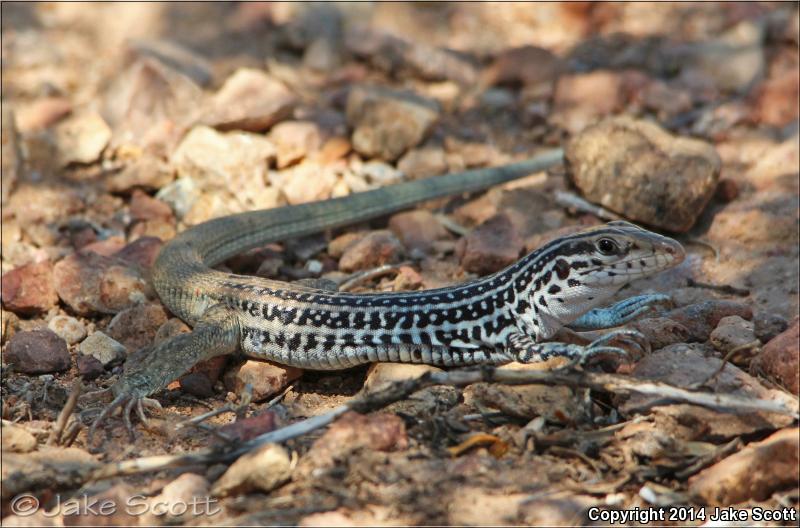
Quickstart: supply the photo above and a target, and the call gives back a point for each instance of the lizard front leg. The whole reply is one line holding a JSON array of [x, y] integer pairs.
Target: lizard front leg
[[217, 333], [617, 314]]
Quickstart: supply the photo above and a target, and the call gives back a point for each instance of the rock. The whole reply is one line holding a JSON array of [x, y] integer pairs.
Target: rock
[[67, 328], [305, 182], [353, 431], [732, 332], [81, 138], [8, 326], [295, 140], [136, 327], [11, 155], [180, 195], [341, 243], [581, 99], [768, 325], [375, 249], [233, 162], [197, 384], [491, 246], [16, 439], [752, 474], [263, 470], [248, 428], [334, 149], [149, 106], [777, 98], [88, 282], [529, 66], [662, 331], [417, 230], [171, 327], [144, 207], [179, 501], [250, 100], [780, 359], [423, 163], [387, 123], [735, 59], [179, 58], [118, 495], [380, 375], [638, 170], [558, 404], [142, 252], [378, 174], [666, 99], [89, 367], [267, 379], [104, 349], [29, 289], [37, 352], [701, 319], [42, 113], [685, 366], [144, 172]]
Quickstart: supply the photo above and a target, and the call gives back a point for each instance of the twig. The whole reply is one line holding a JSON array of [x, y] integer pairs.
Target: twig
[[722, 288], [66, 412], [611, 383], [573, 201], [710, 458], [724, 363], [451, 225], [363, 276]]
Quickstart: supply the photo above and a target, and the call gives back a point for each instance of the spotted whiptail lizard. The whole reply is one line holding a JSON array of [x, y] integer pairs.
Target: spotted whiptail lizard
[[496, 319]]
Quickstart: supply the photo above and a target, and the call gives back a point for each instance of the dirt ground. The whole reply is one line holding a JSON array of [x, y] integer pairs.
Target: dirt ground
[[125, 123]]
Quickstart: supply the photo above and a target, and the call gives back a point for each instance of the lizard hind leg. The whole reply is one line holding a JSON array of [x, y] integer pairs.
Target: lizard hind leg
[[216, 333]]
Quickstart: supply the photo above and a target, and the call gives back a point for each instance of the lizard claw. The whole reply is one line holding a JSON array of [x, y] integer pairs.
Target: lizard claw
[[130, 402]]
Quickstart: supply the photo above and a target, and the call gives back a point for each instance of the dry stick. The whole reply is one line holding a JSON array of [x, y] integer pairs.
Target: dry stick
[[569, 200], [611, 383], [66, 412], [722, 288]]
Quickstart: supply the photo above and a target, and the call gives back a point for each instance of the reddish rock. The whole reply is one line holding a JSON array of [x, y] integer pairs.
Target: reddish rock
[[530, 66], [581, 99], [142, 252], [378, 432], [639, 170], [375, 249], [386, 122], [197, 384], [417, 230], [29, 289], [423, 163], [491, 246], [145, 207], [106, 247], [250, 427], [701, 319], [250, 100], [267, 379], [89, 367], [88, 282], [338, 245], [662, 331], [37, 352], [42, 113], [752, 474], [295, 140], [777, 98], [114, 513], [780, 359], [732, 332], [136, 327], [171, 328]]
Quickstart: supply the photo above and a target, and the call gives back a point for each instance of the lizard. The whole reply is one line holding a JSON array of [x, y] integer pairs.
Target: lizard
[[507, 316]]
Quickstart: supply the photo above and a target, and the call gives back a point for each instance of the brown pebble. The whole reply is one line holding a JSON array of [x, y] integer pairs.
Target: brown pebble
[[37, 352], [491, 246], [780, 359], [29, 289]]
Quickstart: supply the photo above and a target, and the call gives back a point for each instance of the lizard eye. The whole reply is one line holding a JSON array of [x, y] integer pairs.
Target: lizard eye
[[606, 246]]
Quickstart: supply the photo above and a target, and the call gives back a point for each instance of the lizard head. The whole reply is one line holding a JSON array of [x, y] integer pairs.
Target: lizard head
[[582, 271]]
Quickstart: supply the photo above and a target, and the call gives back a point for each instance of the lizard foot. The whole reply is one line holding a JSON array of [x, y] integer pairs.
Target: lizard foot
[[607, 344], [127, 401]]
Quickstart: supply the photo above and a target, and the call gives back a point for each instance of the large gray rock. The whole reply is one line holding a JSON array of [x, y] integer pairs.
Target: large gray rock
[[637, 169]]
